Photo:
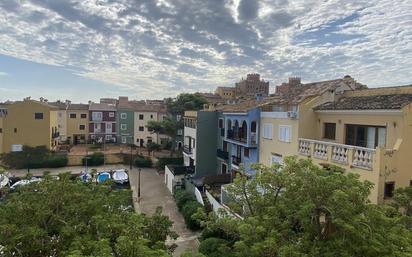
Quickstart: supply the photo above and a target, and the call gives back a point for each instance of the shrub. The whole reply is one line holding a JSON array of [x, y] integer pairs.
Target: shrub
[[215, 247], [162, 162], [181, 197], [152, 147], [143, 162], [190, 208], [94, 159]]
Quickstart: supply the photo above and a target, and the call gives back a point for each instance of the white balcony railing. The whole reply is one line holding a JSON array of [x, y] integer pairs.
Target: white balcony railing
[[359, 157]]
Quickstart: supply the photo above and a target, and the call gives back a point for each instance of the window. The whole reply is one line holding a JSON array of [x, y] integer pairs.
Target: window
[[151, 116], [276, 159], [285, 133], [108, 137], [178, 117], [38, 116], [15, 130], [83, 115], [329, 130], [141, 128], [82, 127], [221, 123], [141, 116], [97, 116], [124, 140], [123, 126], [108, 126], [223, 168], [111, 114], [72, 116], [389, 188], [180, 132], [268, 131], [1, 130], [123, 116], [246, 152]]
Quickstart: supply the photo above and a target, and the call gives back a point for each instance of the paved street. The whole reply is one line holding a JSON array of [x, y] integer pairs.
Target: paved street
[[154, 193]]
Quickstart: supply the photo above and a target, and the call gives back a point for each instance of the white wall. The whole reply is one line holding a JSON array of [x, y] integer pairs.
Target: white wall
[[169, 178], [191, 132]]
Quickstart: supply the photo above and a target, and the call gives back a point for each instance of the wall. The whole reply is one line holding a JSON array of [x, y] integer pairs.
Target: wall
[[76, 160], [206, 139], [128, 133], [267, 147], [1, 135], [220, 146], [169, 177], [30, 132], [62, 124]]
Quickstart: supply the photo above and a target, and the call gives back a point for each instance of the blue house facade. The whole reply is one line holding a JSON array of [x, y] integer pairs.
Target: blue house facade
[[240, 139]]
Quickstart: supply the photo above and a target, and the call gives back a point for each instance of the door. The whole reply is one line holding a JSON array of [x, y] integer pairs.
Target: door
[[223, 168], [191, 162], [141, 142], [225, 146]]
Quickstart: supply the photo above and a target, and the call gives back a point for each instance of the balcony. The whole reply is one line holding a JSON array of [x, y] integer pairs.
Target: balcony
[[352, 156], [236, 136], [222, 154], [187, 149], [236, 160]]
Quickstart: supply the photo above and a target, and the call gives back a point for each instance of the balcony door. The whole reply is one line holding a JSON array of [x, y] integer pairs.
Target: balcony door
[[365, 136]]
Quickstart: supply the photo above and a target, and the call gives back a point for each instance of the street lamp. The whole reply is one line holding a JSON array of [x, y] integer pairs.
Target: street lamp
[[138, 187]]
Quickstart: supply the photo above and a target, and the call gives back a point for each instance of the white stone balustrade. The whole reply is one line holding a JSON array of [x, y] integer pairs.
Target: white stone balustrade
[[359, 157]]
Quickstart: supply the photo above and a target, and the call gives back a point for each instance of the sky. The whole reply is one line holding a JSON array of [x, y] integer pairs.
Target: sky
[[150, 49]]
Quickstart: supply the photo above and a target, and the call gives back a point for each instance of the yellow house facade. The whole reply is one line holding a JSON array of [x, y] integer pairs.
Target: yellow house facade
[[3, 112], [364, 131], [77, 123], [143, 113], [31, 123]]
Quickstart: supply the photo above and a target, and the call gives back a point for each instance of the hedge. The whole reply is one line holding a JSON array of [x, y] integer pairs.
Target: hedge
[[95, 159], [187, 205], [215, 247], [34, 157], [163, 161], [143, 162]]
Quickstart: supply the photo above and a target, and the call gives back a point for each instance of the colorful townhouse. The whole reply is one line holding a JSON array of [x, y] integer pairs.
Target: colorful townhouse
[[28, 122], [77, 123], [61, 119], [102, 122], [238, 136], [143, 113], [125, 121], [200, 142]]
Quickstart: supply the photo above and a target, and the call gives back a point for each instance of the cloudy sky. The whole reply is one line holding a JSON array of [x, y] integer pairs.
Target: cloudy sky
[[87, 49]]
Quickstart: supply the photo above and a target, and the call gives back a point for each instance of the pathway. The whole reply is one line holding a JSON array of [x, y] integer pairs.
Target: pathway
[[153, 194]]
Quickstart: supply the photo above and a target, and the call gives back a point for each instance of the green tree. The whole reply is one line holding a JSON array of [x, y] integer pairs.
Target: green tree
[[167, 127], [185, 102], [151, 147], [301, 209], [70, 218]]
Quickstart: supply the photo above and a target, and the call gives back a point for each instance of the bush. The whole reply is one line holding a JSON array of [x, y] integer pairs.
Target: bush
[[215, 247], [152, 147], [95, 159], [143, 162], [190, 208], [182, 197], [162, 162]]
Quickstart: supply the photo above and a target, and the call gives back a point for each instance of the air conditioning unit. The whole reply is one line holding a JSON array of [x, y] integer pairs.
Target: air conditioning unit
[[292, 115]]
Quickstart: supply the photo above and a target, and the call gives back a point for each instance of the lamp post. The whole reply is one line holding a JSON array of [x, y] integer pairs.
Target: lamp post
[[138, 187]]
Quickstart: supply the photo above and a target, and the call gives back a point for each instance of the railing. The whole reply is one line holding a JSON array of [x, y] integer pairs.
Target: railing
[[236, 135], [183, 169], [236, 160], [187, 149], [355, 156], [222, 154]]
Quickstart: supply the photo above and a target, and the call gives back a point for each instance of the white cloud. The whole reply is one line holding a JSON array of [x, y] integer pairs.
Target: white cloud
[[3, 73], [160, 48]]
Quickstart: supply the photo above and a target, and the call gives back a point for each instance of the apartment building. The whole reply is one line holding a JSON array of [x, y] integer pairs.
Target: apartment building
[[250, 87], [342, 123], [77, 123], [199, 150], [125, 121], [28, 122], [102, 122], [143, 113]]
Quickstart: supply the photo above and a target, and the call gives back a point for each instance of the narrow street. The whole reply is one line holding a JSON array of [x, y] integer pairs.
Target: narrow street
[[153, 194]]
